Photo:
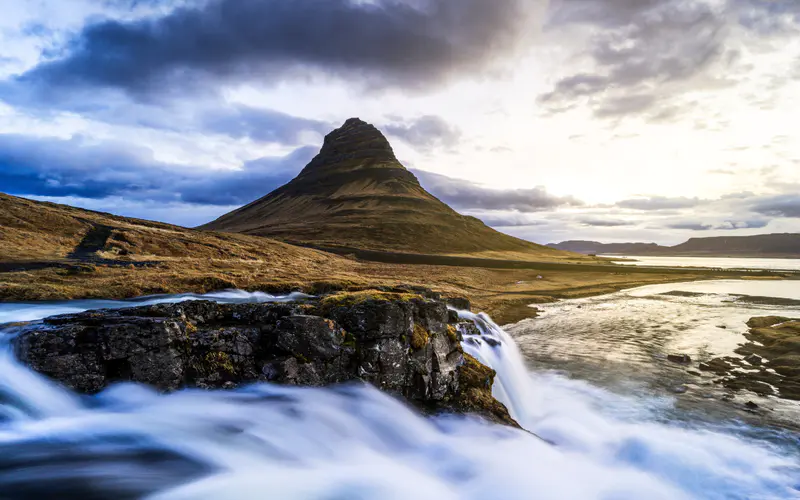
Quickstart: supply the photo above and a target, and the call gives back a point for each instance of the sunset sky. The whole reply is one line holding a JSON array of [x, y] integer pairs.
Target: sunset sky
[[610, 120]]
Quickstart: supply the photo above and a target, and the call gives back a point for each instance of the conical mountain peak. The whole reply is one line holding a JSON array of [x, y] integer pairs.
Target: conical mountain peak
[[358, 137], [356, 145], [356, 194]]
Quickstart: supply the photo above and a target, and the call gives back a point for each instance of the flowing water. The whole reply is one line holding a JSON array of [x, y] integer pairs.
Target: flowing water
[[710, 262], [621, 342], [585, 441]]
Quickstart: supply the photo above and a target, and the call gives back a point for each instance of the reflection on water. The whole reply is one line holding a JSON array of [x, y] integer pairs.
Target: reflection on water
[[621, 341], [713, 262]]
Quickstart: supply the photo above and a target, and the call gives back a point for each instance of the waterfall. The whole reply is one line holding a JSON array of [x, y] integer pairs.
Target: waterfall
[[355, 442]]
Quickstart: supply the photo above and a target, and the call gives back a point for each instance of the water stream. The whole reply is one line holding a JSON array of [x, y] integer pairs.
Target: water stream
[[354, 442]]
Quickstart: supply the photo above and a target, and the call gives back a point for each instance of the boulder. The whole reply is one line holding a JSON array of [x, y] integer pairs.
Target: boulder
[[683, 359], [404, 344]]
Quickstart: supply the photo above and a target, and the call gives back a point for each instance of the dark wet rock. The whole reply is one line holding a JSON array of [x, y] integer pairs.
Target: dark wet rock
[[683, 359], [402, 343], [751, 406], [459, 303], [769, 362], [754, 359], [491, 341], [722, 327], [681, 293], [694, 372]]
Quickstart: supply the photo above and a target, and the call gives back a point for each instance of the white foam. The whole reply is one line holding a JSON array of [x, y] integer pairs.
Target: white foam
[[355, 442]]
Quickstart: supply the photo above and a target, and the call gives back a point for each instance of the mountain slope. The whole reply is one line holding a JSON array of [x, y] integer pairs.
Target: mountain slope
[[762, 245], [355, 193], [39, 231]]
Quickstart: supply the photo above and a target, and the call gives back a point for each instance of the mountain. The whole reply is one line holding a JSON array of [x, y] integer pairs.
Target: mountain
[[356, 194], [762, 245], [786, 244], [595, 247]]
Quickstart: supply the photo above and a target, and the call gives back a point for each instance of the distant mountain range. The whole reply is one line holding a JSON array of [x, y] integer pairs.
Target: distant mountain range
[[763, 245]]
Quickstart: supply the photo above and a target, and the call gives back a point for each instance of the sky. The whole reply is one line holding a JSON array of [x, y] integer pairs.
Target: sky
[[608, 120]]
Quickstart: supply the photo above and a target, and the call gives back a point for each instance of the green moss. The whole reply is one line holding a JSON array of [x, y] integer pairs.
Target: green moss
[[349, 299], [212, 362], [420, 337], [349, 339], [474, 374], [452, 333], [475, 394]]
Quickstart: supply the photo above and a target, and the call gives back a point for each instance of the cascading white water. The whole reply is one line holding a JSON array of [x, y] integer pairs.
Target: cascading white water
[[354, 442]]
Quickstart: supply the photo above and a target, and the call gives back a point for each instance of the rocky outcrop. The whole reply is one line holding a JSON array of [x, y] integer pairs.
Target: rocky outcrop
[[402, 343], [770, 359]]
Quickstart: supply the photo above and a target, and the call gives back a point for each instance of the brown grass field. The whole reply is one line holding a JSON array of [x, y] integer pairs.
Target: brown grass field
[[54, 252]]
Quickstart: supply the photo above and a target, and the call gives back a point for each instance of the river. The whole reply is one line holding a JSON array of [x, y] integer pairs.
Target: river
[[709, 262], [586, 380]]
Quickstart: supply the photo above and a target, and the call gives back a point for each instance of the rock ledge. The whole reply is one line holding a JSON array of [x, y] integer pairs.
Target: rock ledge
[[403, 343]]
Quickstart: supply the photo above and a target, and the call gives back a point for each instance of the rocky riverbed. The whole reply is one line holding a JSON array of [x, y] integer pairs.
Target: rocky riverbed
[[771, 359], [406, 343]]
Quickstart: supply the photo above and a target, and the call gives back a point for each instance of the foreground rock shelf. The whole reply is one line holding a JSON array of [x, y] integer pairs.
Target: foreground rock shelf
[[403, 343]]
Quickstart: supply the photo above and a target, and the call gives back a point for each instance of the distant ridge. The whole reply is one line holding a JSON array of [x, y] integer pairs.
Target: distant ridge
[[763, 245], [355, 193]]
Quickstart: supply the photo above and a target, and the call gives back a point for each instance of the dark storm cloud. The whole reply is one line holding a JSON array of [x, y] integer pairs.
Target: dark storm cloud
[[659, 203], [643, 44], [386, 43], [466, 195], [209, 115], [57, 167], [779, 206], [425, 133]]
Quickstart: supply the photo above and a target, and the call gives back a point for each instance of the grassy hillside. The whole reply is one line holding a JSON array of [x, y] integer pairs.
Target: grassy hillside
[[39, 231], [51, 252]]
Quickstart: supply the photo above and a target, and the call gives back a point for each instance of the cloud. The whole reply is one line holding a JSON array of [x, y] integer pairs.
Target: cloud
[[264, 125], [659, 203], [693, 226], [466, 195], [76, 167], [723, 226], [501, 218], [639, 50], [425, 133], [787, 205], [594, 222], [387, 43]]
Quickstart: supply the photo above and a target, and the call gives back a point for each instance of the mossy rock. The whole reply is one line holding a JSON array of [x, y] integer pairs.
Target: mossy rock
[[452, 333], [474, 374], [420, 337], [350, 299], [475, 395]]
